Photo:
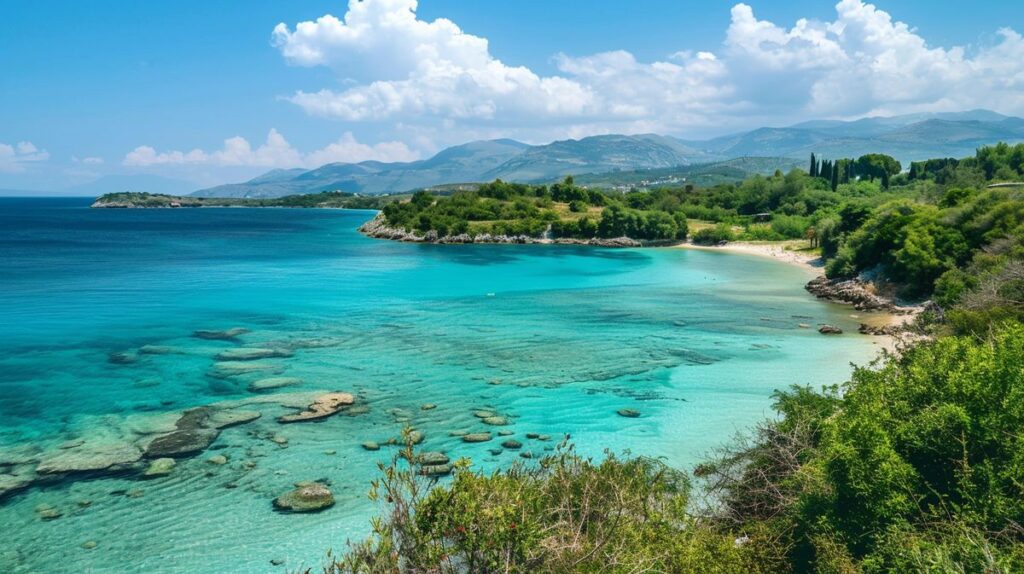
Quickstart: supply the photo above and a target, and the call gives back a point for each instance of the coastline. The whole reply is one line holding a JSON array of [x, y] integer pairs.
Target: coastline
[[811, 263], [885, 325]]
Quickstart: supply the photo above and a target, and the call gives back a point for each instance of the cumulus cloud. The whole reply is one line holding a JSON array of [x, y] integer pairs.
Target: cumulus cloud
[[401, 68], [276, 152], [410, 66], [15, 158]]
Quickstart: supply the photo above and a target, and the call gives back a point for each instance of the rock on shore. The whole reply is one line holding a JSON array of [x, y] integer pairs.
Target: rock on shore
[[856, 292]]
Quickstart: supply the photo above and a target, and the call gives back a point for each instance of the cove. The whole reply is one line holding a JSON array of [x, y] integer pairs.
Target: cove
[[554, 338]]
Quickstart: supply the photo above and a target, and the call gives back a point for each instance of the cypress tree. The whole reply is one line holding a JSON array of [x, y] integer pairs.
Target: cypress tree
[[835, 179], [814, 166]]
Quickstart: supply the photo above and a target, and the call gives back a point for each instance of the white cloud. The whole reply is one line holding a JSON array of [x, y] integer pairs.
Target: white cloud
[[410, 66], [276, 152], [434, 74], [15, 158], [91, 160]]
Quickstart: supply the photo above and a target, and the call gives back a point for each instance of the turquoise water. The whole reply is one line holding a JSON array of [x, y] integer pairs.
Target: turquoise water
[[556, 338]]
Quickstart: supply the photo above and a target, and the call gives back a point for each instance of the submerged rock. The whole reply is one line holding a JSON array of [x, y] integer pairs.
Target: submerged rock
[[628, 413], [47, 512], [495, 421], [90, 456], [196, 429], [310, 497], [181, 442], [218, 460], [428, 458], [371, 446], [435, 469], [273, 383], [159, 350], [225, 335], [123, 358], [428, 407], [160, 467], [228, 369], [830, 330], [221, 419], [250, 354], [477, 437], [322, 407], [512, 444], [484, 414]]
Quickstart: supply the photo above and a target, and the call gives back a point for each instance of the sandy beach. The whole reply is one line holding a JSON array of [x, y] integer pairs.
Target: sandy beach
[[813, 264], [778, 250]]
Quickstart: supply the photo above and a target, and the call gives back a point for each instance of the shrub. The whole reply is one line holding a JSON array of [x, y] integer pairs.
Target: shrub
[[720, 233]]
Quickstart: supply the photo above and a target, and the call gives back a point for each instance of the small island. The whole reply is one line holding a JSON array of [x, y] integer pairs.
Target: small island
[[324, 200]]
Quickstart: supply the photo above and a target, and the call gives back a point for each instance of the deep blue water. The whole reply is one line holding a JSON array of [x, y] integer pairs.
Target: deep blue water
[[556, 338]]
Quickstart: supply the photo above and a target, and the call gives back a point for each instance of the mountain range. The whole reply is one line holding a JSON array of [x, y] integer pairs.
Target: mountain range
[[908, 138]]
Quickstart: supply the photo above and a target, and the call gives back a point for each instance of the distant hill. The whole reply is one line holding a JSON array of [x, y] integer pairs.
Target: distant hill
[[596, 154], [703, 174], [463, 163], [907, 137]]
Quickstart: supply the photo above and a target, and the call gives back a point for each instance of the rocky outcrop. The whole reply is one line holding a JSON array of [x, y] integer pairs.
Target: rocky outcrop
[[830, 330], [307, 497], [195, 430], [881, 330], [856, 292], [322, 407], [379, 229]]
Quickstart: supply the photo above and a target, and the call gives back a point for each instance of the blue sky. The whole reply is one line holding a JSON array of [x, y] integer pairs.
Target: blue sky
[[105, 87]]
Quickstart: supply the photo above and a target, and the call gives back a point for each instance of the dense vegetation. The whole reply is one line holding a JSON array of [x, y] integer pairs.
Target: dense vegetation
[[560, 210], [915, 465], [325, 199]]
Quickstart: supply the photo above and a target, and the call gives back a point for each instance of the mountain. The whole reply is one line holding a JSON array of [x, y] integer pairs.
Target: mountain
[[463, 163], [908, 138], [596, 154]]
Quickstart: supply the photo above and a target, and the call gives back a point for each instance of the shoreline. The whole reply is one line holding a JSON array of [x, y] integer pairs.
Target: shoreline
[[813, 264], [887, 324]]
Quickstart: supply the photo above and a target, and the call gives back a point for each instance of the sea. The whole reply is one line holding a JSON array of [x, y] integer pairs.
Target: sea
[[99, 310]]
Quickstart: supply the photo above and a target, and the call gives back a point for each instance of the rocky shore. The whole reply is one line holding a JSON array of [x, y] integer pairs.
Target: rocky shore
[[857, 292], [379, 229], [863, 296]]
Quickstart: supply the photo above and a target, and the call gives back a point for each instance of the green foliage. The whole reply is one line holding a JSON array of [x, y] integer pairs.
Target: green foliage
[[564, 515], [720, 233]]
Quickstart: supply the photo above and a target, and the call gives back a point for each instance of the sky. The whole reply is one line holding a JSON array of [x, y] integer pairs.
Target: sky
[[204, 92]]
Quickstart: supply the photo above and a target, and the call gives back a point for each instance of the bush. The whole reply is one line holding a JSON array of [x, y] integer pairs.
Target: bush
[[567, 514], [720, 233]]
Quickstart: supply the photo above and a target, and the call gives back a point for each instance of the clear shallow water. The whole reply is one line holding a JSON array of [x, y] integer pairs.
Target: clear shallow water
[[557, 338]]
